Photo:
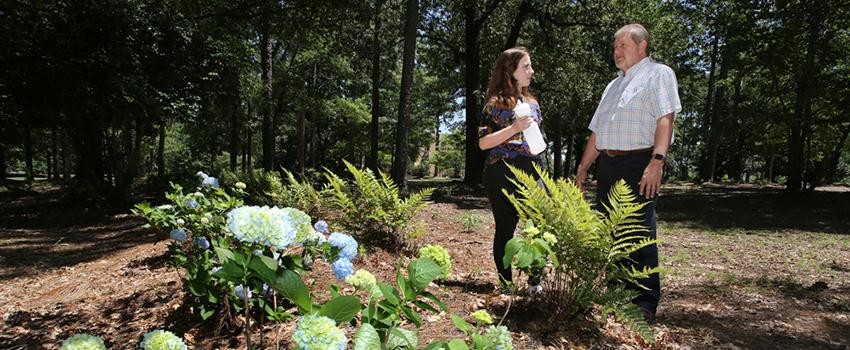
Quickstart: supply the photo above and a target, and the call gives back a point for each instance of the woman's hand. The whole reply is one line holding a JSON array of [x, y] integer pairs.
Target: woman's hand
[[521, 124]]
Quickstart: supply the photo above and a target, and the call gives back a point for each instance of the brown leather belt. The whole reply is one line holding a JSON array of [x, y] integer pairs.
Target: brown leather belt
[[617, 153]]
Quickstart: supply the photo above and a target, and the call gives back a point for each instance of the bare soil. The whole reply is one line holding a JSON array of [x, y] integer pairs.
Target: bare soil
[[748, 268]]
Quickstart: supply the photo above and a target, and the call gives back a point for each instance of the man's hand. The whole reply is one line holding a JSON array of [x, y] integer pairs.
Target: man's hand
[[581, 176], [650, 183]]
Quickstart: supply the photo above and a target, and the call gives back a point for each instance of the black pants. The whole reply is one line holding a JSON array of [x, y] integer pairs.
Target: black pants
[[630, 168], [496, 178]]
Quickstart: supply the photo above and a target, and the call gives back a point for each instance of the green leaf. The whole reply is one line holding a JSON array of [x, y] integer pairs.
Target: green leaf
[[367, 338], [265, 267], [231, 272], [437, 345], [422, 272], [461, 324], [457, 344], [206, 313], [402, 338], [412, 315], [436, 300], [511, 249], [224, 255], [290, 285], [341, 309], [390, 294]]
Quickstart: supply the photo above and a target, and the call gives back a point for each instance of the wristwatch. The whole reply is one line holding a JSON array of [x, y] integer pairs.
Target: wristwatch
[[658, 156]]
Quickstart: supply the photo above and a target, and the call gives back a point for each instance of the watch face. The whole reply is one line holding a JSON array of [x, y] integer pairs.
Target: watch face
[[659, 156]]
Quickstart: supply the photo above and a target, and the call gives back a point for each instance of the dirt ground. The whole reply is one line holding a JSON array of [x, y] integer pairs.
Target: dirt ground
[[748, 268]]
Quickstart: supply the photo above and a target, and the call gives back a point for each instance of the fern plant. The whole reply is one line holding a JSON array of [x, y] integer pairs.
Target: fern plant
[[586, 247], [267, 188], [372, 207]]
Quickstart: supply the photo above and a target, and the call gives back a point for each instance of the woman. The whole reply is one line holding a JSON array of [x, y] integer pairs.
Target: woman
[[501, 133]]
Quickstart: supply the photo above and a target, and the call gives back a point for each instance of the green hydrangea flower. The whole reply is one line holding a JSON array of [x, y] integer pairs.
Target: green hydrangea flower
[[530, 230], [440, 256], [483, 317], [162, 340], [550, 238], [362, 280], [500, 337], [83, 341], [318, 333]]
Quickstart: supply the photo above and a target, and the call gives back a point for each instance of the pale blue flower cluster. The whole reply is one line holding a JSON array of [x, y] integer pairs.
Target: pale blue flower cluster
[[318, 333], [162, 340], [347, 245], [242, 292], [272, 227], [342, 268], [501, 337], [83, 341], [321, 226], [192, 203], [207, 180], [178, 234]]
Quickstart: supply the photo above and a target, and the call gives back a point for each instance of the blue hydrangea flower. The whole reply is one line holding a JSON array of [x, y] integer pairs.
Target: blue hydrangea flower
[[83, 341], [202, 175], [191, 203], [500, 336], [342, 268], [202, 242], [266, 290], [271, 227], [321, 226], [258, 252], [347, 245], [178, 234], [161, 340], [210, 181], [241, 290], [318, 333]]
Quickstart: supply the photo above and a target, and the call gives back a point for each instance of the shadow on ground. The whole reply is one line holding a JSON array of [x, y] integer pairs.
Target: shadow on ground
[[752, 208], [44, 230]]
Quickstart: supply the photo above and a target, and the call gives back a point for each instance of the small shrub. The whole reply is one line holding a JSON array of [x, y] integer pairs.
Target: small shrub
[[372, 207], [586, 248], [470, 221]]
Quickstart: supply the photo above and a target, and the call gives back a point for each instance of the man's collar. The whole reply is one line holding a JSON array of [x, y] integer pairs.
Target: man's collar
[[634, 69]]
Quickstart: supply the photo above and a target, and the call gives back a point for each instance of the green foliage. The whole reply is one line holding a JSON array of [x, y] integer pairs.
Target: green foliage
[[470, 221], [439, 255], [393, 306], [372, 208], [482, 336], [267, 188], [587, 248]]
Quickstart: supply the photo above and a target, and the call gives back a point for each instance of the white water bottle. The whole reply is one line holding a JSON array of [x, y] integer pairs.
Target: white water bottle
[[532, 134]]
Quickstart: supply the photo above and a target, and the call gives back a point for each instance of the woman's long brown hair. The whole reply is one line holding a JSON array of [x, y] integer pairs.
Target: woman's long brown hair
[[502, 87]]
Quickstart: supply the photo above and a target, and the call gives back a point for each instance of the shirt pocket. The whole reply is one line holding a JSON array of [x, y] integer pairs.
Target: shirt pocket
[[632, 92]]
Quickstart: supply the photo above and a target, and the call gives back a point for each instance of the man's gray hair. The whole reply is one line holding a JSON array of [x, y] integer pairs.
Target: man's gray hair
[[637, 32]]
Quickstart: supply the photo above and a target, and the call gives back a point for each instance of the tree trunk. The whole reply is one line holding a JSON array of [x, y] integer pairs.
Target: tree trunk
[[268, 97], [29, 176], [54, 153], [2, 163], [399, 169], [372, 161], [66, 158], [249, 145], [160, 152], [525, 8], [302, 142], [716, 125], [234, 133], [800, 120], [707, 115]]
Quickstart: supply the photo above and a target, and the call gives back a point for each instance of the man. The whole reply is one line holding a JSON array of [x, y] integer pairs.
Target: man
[[632, 129]]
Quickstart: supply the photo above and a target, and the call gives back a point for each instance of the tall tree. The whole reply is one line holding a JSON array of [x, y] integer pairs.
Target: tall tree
[[411, 21]]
